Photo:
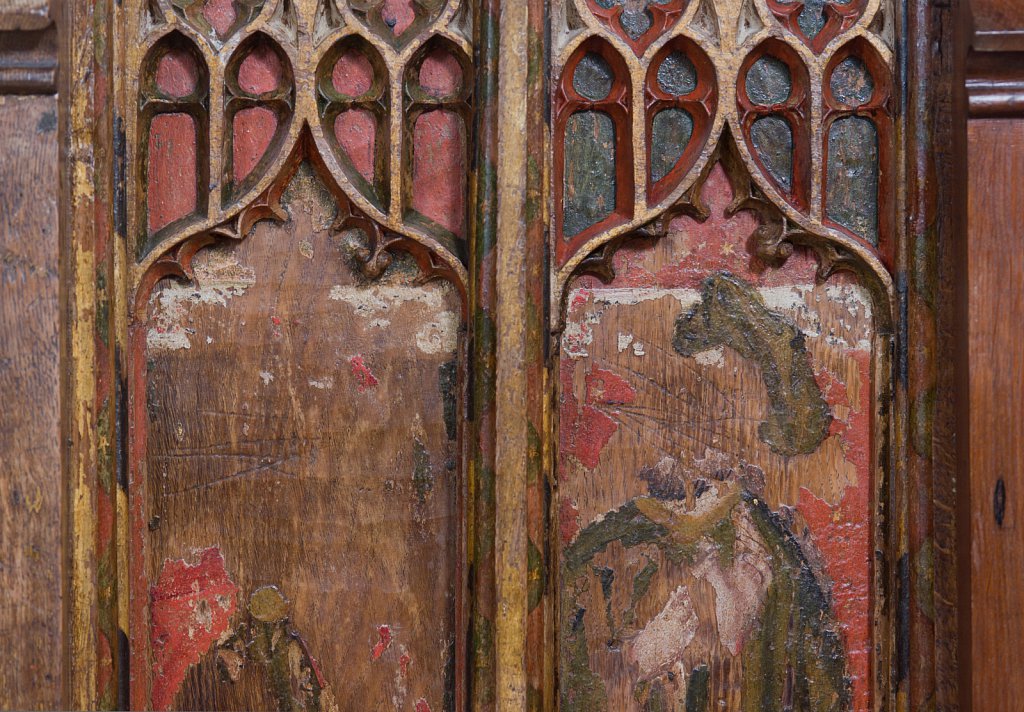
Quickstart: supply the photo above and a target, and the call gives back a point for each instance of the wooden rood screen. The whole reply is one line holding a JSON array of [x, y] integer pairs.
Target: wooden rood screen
[[472, 354]]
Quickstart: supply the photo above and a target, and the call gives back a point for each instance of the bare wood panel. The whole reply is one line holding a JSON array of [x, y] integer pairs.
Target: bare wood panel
[[995, 15], [299, 510], [996, 284], [997, 24], [24, 14], [30, 481]]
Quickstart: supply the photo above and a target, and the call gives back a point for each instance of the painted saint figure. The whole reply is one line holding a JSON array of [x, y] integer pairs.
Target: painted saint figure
[[698, 596]]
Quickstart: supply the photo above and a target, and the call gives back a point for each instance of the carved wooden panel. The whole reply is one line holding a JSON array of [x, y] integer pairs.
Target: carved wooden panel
[[296, 222], [724, 229]]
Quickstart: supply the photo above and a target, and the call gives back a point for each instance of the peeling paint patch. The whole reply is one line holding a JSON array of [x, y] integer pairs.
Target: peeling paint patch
[[440, 335], [218, 278], [362, 373], [324, 384], [711, 357], [378, 300], [623, 341], [266, 377], [665, 638], [383, 643], [190, 608]]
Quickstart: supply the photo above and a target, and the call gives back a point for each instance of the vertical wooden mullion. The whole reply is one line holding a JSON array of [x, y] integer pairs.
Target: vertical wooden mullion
[[482, 305], [512, 400], [90, 648]]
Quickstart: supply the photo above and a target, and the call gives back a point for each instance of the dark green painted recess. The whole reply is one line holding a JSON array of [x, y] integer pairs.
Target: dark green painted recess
[[677, 75], [851, 82], [772, 137], [851, 198], [636, 22], [589, 175], [670, 135], [769, 81], [593, 77]]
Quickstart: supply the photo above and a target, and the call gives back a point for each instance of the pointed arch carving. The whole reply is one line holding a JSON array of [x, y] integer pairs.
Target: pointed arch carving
[[280, 117]]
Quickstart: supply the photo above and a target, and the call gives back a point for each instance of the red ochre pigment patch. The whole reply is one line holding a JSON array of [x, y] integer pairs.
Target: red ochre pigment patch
[[253, 130], [403, 664], [440, 74], [171, 190], [221, 15], [176, 74], [438, 172], [588, 429], [607, 388], [568, 521], [356, 131], [383, 643], [362, 373], [190, 608], [693, 250], [260, 71], [842, 532], [352, 74], [422, 706], [398, 15]]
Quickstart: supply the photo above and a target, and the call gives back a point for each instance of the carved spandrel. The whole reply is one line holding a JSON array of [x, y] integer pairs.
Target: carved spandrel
[[784, 141], [334, 71]]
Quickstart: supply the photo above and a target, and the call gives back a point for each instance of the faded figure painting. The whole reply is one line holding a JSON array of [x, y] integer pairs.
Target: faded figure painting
[[714, 480]]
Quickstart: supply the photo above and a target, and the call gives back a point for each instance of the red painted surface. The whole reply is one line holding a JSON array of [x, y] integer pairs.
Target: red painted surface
[[568, 521], [842, 532], [440, 74], [356, 131], [171, 177], [403, 664], [439, 172], [261, 71], [176, 73], [383, 643], [588, 429], [104, 665], [363, 375], [221, 15], [716, 245], [398, 14], [190, 608], [252, 131], [352, 74], [422, 706]]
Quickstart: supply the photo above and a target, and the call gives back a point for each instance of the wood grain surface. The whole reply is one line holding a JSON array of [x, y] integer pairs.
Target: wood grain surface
[[24, 14], [30, 485], [300, 449], [996, 284]]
